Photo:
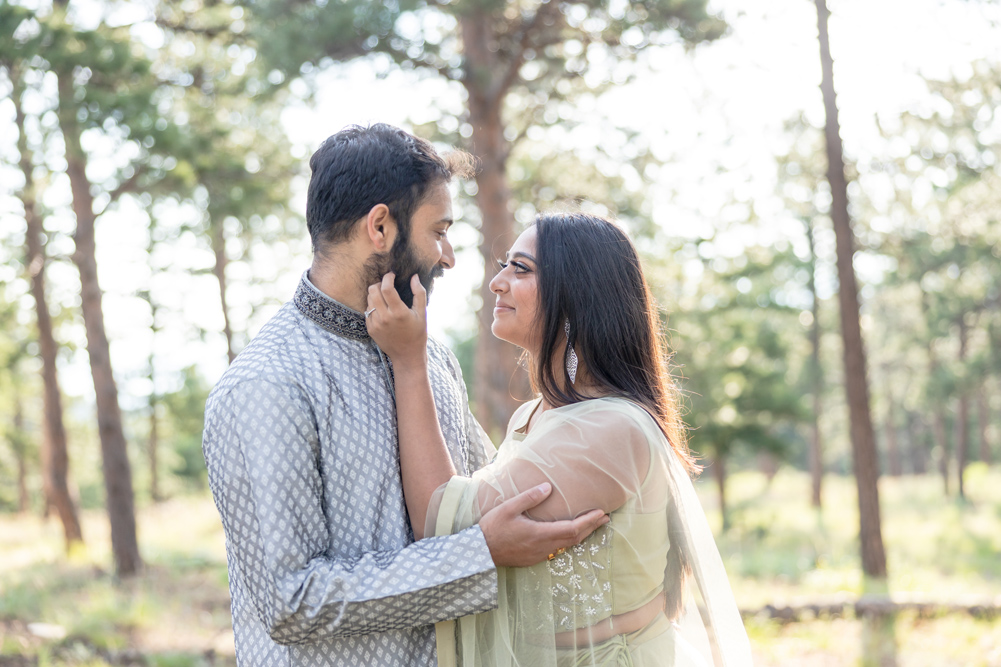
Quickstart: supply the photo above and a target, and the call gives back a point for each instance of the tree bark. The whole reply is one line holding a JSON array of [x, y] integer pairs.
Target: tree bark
[[54, 453], [816, 380], [962, 411], [500, 384], [856, 383], [114, 454], [219, 270]]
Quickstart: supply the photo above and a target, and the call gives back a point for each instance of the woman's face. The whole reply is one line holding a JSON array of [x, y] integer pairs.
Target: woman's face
[[516, 288]]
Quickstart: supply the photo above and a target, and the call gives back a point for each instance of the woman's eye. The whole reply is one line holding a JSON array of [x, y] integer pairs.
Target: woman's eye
[[520, 268], [502, 264]]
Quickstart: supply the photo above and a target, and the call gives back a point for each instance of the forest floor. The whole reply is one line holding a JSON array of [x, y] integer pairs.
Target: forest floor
[[58, 610]]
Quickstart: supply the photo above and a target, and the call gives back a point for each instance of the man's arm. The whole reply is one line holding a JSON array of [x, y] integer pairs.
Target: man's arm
[[262, 448]]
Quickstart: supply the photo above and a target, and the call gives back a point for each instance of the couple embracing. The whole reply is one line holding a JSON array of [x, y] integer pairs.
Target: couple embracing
[[368, 518]]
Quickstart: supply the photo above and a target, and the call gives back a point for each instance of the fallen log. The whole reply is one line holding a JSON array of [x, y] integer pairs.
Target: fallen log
[[871, 605]]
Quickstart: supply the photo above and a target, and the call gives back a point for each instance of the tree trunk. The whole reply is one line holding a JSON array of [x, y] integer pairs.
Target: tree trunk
[[152, 444], [942, 445], [816, 380], [892, 445], [856, 384], [219, 269], [962, 411], [916, 449], [499, 384], [54, 453], [719, 474], [23, 500], [982, 420], [114, 454]]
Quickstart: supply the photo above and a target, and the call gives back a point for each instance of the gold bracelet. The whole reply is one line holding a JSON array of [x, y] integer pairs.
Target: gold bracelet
[[559, 552]]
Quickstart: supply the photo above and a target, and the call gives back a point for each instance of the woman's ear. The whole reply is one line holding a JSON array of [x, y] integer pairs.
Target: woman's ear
[[380, 227]]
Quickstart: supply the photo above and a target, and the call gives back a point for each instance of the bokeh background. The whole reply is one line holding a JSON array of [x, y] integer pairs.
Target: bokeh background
[[153, 166]]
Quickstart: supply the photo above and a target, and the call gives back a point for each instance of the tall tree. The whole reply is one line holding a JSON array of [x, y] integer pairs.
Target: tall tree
[[880, 646], [54, 454], [816, 377], [863, 439], [105, 91], [514, 59]]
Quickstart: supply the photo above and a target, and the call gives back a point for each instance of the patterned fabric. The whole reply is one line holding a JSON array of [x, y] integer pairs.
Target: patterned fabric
[[301, 445], [582, 582]]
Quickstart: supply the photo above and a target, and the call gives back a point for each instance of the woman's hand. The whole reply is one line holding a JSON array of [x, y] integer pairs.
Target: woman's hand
[[399, 331]]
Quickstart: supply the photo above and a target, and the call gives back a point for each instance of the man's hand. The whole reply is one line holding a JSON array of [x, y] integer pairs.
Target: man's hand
[[515, 540]]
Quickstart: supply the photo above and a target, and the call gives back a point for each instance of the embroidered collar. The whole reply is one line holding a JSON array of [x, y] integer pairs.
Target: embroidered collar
[[333, 316]]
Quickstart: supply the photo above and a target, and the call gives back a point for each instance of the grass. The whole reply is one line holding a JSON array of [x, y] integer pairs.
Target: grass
[[779, 551], [175, 614]]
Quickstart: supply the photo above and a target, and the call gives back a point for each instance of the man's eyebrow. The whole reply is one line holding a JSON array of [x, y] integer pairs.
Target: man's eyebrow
[[448, 222]]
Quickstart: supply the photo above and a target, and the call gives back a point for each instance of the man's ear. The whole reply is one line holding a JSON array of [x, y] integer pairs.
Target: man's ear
[[380, 227]]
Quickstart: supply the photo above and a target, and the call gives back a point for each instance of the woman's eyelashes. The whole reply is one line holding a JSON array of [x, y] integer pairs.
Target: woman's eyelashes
[[519, 267]]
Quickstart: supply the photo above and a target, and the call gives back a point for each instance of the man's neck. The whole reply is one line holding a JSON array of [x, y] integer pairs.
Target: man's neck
[[338, 277]]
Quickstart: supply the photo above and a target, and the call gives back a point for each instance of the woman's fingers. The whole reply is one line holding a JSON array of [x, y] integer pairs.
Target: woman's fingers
[[389, 293], [376, 303], [420, 295]]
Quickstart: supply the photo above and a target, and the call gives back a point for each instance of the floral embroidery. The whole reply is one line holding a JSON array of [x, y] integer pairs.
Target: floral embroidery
[[581, 581]]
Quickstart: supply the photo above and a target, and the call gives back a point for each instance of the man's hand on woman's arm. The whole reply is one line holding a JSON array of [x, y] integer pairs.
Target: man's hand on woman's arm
[[515, 540]]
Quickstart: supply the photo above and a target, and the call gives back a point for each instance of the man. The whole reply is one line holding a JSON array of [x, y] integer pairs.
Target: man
[[300, 437]]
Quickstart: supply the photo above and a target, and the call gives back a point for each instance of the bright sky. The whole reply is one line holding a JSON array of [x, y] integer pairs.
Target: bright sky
[[723, 104]]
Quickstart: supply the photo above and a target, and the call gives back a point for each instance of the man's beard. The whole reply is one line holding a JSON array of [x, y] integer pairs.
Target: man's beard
[[404, 262]]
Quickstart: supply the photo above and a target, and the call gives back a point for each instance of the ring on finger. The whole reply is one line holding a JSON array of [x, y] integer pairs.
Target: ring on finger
[[559, 552], [369, 312]]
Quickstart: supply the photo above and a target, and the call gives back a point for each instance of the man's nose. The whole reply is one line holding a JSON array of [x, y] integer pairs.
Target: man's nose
[[447, 255]]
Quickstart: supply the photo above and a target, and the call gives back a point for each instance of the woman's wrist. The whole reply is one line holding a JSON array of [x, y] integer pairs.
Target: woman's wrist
[[411, 364]]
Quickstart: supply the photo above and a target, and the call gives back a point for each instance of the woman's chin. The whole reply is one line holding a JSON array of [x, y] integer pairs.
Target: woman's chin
[[498, 332]]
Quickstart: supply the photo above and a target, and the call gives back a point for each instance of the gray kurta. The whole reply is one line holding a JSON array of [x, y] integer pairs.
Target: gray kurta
[[303, 460]]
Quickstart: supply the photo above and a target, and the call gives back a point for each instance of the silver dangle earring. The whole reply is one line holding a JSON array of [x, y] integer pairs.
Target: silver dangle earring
[[572, 357]]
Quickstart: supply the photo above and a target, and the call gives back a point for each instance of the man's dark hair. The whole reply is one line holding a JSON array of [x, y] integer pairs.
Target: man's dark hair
[[360, 167]]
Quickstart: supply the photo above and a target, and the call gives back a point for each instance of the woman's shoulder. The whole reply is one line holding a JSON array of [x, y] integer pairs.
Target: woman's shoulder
[[604, 417], [615, 408]]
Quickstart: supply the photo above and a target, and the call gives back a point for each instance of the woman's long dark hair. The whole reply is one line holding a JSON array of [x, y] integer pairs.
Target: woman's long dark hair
[[589, 274]]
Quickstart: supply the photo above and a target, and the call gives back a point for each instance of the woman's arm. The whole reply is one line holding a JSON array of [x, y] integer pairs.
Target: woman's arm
[[513, 538], [401, 333]]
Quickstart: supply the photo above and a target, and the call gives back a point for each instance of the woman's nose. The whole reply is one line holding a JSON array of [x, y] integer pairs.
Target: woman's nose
[[497, 283]]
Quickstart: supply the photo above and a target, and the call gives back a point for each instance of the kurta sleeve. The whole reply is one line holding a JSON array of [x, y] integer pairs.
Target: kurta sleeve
[[262, 450]]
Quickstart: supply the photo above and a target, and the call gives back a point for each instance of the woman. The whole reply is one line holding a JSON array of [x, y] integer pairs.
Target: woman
[[604, 432]]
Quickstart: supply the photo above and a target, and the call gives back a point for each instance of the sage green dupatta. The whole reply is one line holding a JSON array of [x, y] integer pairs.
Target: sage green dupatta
[[606, 453]]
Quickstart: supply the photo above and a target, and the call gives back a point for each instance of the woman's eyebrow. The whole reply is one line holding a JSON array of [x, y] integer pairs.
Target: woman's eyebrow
[[521, 254]]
